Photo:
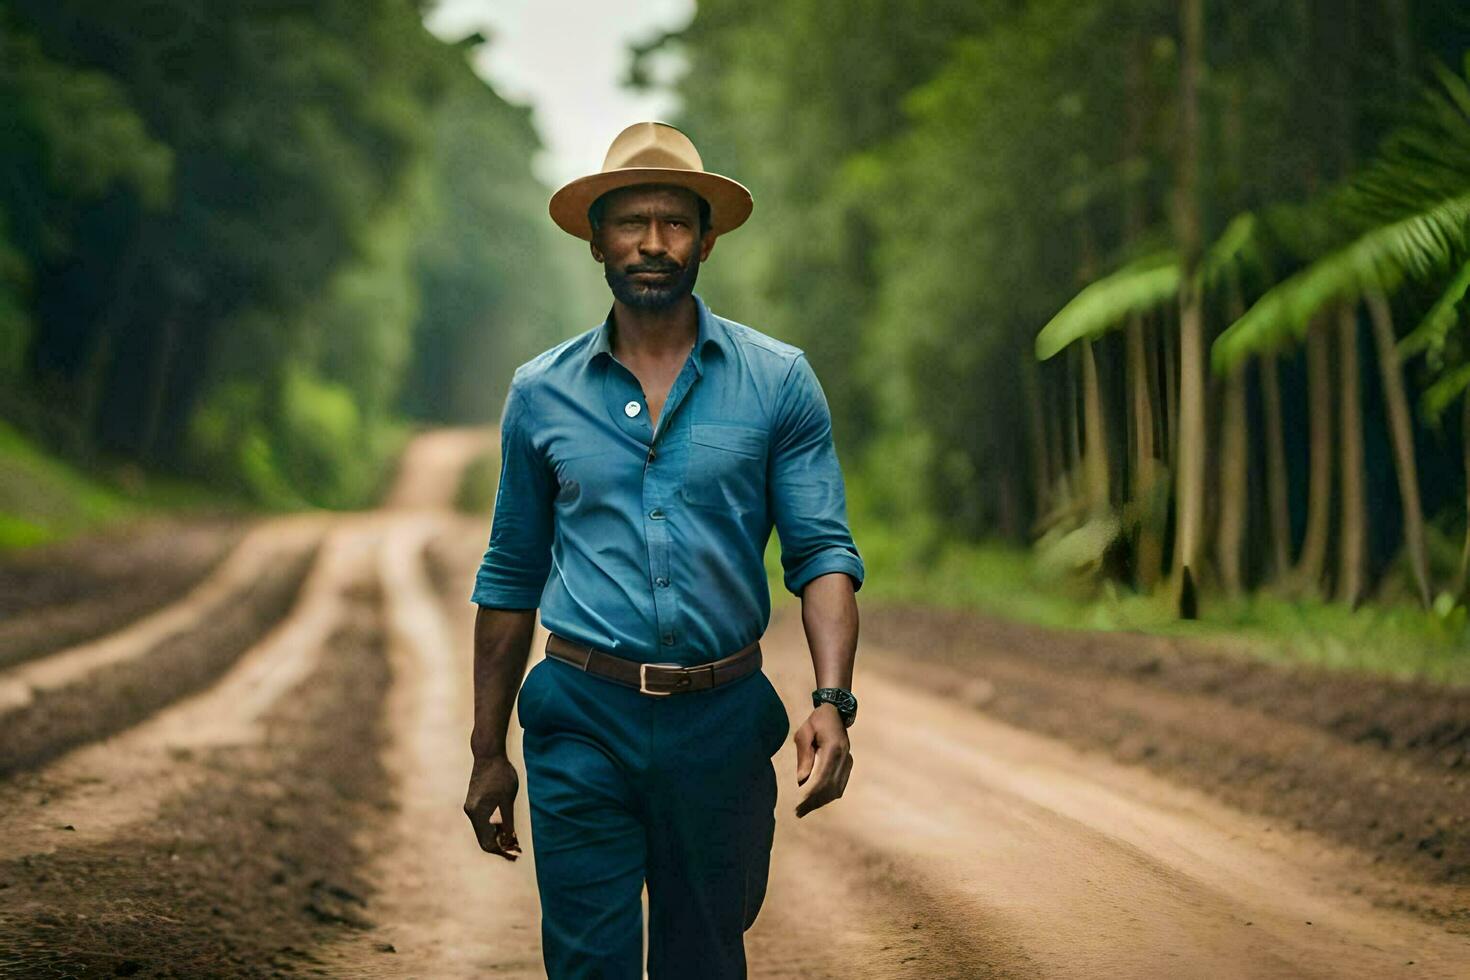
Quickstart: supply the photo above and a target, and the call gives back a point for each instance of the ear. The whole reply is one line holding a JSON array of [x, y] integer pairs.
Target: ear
[[596, 252], [707, 245]]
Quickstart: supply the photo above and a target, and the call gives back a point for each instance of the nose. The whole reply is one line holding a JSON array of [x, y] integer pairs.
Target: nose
[[653, 240]]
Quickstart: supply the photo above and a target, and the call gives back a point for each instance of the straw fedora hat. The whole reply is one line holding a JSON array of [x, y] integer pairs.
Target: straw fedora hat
[[651, 153]]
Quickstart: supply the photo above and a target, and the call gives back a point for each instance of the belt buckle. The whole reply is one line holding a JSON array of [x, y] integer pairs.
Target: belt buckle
[[643, 687]]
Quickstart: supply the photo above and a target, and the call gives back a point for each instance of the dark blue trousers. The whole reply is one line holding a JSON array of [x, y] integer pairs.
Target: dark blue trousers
[[677, 791]]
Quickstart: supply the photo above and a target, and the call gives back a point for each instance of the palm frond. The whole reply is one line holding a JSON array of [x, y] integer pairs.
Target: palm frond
[[1434, 330], [1418, 246], [1138, 287], [1238, 247], [1443, 393]]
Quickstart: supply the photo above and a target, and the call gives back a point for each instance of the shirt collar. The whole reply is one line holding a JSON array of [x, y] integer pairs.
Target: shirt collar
[[710, 331]]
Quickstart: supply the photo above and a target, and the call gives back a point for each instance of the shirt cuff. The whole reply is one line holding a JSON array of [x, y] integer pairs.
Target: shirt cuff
[[834, 559], [505, 596]]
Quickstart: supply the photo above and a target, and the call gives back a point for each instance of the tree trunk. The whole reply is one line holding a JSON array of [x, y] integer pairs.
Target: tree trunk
[[1193, 429], [1276, 480], [1056, 443], [1149, 561], [1170, 418], [1402, 433], [1040, 478], [1095, 452], [1313, 558], [1462, 577], [161, 369], [1235, 448], [1351, 546], [1140, 361], [1234, 488], [94, 374], [1074, 429]]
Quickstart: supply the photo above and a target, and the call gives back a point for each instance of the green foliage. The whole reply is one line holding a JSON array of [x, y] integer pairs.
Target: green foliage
[[1139, 287], [1417, 247], [240, 243], [933, 182], [488, 269], [476, 494], [1444, 392], [1405, 218], [78, 122], [1432, 334], [45, 499], [229, 441], [15, 321], [1395, 639], [1148, 283]]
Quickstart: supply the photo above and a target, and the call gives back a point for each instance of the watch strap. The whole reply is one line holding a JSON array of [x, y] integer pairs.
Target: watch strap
[[840, 698]]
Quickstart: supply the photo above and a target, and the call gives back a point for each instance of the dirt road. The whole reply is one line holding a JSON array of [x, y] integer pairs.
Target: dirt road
[[288, 802]]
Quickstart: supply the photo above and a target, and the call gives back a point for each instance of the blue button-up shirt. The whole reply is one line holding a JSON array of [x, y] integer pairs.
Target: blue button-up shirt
[[650, 543]]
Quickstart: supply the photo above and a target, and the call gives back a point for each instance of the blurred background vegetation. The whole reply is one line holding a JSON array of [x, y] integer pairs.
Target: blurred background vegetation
[[252, 244], [1132, 313]]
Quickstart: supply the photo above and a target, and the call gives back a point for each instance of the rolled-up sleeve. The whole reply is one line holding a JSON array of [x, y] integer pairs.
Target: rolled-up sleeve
[[513, 572], [807, 498]]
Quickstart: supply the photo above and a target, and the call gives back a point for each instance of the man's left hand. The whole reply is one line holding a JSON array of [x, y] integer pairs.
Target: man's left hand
[[823, 758]]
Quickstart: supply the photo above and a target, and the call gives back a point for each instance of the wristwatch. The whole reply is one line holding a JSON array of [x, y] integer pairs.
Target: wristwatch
[[840, 698]]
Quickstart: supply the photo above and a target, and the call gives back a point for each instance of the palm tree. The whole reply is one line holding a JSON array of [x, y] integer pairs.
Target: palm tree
[[1143, 289], [1405, 218]]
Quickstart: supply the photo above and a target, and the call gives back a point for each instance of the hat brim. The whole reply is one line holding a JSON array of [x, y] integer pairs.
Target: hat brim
[[729, 202]]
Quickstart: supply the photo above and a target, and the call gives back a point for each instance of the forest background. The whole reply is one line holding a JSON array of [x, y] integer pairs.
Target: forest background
[[1133, 314]]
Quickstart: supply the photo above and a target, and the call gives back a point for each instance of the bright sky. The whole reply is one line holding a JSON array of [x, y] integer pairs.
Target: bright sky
[[565, 59]]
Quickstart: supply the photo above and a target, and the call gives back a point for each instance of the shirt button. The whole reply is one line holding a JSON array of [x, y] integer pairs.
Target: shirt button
[[632, 409], [661, 582], [668, 639], [652, 453], [657, 514]]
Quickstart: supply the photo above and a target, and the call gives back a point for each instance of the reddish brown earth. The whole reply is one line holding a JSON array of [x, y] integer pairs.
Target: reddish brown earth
[[62, 594], [1024, 803], [1380, 765]]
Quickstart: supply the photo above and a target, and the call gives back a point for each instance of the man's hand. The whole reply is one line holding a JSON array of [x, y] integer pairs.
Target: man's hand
[[493, 788], [822, 741]]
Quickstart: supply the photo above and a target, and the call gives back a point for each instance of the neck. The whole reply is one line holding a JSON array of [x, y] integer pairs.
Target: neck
[[668, 332]]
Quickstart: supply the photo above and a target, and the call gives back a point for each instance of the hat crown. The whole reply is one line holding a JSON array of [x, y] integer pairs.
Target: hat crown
[[652, 144], [651, 153]]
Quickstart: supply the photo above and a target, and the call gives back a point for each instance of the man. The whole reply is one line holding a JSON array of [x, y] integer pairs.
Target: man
[[643, 466]]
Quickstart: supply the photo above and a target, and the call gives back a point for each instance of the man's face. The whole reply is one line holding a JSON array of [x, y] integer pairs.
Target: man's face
[[649, 245]]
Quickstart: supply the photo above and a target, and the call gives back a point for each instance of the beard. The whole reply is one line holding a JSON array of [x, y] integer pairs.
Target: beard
[[652, 296]]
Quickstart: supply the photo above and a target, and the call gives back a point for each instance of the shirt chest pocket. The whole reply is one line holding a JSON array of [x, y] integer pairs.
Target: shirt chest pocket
[[726, 467]]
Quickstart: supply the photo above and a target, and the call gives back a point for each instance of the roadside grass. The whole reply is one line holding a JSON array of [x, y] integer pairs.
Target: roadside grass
[[45, 499], [1385, 638]]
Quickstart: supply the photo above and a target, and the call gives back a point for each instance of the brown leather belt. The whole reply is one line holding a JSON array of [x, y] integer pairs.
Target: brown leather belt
[[657, 680]]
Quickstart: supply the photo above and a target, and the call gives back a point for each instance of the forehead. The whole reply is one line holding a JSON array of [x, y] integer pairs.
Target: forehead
[[645, 198]]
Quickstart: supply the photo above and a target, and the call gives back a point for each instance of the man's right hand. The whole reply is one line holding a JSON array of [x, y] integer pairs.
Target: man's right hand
[[492, 794]]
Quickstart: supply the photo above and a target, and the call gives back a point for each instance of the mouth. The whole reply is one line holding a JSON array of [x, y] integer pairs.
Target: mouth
[[650, 275]]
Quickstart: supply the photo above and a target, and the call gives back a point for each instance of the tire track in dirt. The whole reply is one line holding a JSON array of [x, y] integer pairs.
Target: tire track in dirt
[[106, 789], [445, 907], [1095, 869], [1341, 756], [273, 777], [303, 815], [55, 702], [245, 868], [61, 595]]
